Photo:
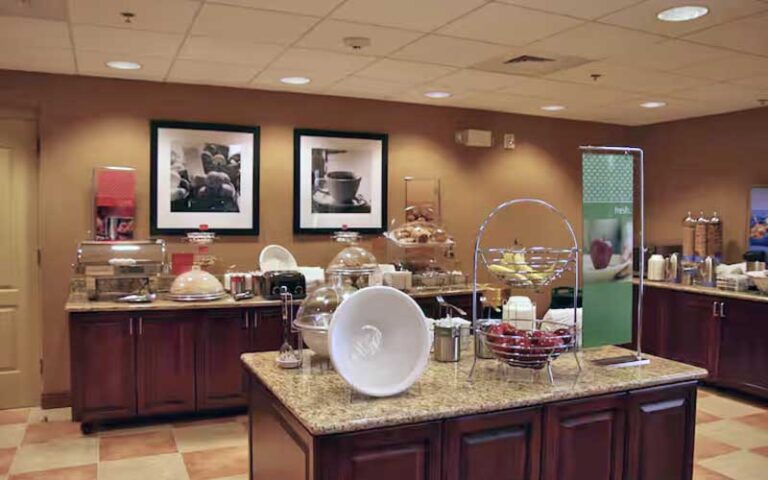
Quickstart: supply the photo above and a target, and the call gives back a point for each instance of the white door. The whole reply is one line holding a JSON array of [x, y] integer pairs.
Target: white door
[[20, 333]]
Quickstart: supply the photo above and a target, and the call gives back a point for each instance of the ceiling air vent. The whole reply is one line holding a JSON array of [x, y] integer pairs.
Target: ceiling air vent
[[528, 59]]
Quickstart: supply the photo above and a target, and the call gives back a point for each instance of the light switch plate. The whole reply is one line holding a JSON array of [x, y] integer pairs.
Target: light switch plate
[[509, 141]]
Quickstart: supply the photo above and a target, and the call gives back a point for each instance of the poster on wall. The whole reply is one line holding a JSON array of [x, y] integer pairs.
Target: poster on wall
[[114, 203], [607, 259], [758, 219], [340, 181], [204, 174]]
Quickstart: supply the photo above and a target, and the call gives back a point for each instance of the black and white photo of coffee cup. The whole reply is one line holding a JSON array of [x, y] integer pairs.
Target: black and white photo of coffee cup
[[343, 185]]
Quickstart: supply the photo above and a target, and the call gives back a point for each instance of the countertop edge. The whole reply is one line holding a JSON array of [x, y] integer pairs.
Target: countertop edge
[[701, 290]]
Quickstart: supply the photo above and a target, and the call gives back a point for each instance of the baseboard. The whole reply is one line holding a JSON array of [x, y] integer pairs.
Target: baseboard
[[55, 400]]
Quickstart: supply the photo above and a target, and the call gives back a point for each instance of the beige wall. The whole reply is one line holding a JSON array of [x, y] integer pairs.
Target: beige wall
[[708, 164], [85, 122]]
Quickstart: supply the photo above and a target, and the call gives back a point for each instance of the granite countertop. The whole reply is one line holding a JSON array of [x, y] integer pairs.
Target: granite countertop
[[75, 304], [325, 404], [753, 296]]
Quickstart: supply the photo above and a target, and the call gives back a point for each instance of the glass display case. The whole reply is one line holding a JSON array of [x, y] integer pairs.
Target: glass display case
[[353, 265], [114, 270]]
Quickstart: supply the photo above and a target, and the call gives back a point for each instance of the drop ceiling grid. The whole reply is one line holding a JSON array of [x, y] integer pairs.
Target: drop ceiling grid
[[710, 47]]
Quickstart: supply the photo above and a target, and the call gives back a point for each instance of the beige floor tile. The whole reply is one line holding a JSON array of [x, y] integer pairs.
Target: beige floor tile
[[734, 433], [204, 421], [83, 472], [758, 421], [739, 465], [133, 430], [701, 473], [724, 407], [6, 458], [11, 435], [56, 454], [217, 463], [236, 477], [158, 467], [706, 447], [49, 431], [136, 445], [38, 415], [704, 417], [231, 434]]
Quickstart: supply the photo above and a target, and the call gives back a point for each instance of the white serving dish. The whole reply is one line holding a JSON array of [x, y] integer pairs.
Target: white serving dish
[[275, 257], [379, 341]]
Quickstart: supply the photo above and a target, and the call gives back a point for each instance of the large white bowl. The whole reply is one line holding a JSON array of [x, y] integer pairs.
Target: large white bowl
[[275, 257], [379, 341]]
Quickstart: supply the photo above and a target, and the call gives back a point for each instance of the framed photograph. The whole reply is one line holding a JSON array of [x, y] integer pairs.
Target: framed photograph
[[204, 174], [339, 181], [758, 219]]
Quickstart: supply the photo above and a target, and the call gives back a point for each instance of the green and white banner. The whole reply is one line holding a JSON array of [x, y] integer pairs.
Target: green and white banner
[[608, 193]]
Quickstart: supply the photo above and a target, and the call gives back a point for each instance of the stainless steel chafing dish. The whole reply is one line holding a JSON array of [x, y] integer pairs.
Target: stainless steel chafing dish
[[113, 270]]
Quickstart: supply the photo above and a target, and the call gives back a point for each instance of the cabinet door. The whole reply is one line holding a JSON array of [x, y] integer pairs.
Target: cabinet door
[[584, 439], [743, 353], [166, 362], [268, 330], [103, 366], [689, 329], [661, 424], [655, 305], [223, 336], [402, 453], [495, 446]]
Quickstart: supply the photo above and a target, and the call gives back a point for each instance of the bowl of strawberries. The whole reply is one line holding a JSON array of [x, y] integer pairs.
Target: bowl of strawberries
[[528, 348]]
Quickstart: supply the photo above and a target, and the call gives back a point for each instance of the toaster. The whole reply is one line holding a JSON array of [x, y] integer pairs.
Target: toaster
[[275, 282]]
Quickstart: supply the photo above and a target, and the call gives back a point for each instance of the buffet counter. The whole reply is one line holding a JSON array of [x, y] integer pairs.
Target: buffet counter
[[752, 295], [310, 424], [75, 304]]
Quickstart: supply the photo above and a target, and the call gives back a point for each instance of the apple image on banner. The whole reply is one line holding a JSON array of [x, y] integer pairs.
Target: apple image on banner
[[601, 250]]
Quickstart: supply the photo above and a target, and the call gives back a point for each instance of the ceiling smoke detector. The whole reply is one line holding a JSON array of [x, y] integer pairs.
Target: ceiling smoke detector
[[357, 43]]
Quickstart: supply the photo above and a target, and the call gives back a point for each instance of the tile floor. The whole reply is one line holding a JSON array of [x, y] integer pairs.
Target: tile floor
[[731, 444]]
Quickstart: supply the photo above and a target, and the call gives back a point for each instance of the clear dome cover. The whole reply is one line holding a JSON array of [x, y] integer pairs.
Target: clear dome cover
[[317, 309], [353, 260], [196, 282]]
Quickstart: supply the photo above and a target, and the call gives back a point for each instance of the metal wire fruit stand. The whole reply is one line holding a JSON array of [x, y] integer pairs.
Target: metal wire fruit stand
[[525, 267]]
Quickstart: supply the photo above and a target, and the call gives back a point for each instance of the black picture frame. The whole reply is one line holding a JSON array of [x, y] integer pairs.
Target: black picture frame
[[155, 128], [381, 223]]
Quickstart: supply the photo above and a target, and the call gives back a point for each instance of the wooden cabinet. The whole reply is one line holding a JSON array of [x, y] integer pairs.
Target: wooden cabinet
[[493, 446], [165, 363], [661, 423], [584, 439], [655, 316], [224, 335], [403, 453], [689, 330], [267, 330], [743, 346], [103, 367]]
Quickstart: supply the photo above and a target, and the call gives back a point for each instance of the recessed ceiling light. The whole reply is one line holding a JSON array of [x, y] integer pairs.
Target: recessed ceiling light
[[437, 94], [123, 65], [684, 13], [295, 80], [653, 104], [553, 108]]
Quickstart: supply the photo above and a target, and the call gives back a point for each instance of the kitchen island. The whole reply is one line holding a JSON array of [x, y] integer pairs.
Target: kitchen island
[[602, 423]]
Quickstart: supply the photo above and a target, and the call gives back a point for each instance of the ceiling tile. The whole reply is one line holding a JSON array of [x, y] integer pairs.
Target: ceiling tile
[[36, 59], [172, 16], [364, 87], [596, 41], [313, 61], [759, 82], [508, 25], [628, 78], [31, 32], [211, 73], [451, 51], [564, 92], [318, 8], [246, 24], [669, 55], [328, 35], [48, 10], [421, 15], [94, 63], [643, 15], [473, 80], [229, 51], [270, 79], [587, 9], [749, 35], [405, 72], [125, 42], [722, 93], [732, 67]]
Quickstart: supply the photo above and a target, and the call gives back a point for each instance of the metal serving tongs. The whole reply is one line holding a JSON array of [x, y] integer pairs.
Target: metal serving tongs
[[288, 356]]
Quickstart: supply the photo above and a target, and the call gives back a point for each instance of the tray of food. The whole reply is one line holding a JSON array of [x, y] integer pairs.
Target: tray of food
[[419, 234]]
